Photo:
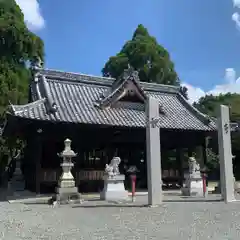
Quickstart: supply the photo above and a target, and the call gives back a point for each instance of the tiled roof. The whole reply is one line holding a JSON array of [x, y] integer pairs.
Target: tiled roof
[[68, 97]]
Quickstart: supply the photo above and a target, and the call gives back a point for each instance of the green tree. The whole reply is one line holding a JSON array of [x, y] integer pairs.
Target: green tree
[[19, 49], [145, 55], [208, 105]]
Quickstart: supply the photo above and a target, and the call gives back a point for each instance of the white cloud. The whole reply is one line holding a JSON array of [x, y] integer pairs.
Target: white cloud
[[32, 14], [236, 18], [194, 93], [236, 3], [232, 85]]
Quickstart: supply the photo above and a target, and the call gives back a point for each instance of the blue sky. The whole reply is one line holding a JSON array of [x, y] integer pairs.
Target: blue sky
[[80, 36]]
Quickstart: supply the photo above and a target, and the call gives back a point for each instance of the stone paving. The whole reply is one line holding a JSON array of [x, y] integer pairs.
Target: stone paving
[[94, 219]]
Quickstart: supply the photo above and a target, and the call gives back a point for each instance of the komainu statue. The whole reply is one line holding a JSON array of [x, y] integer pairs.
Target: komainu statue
[[114, 189], [112, 169], [193, 165]]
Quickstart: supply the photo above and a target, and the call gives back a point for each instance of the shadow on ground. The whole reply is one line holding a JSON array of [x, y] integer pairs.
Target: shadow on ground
[[112, 206], [101, 204], [192, 200]]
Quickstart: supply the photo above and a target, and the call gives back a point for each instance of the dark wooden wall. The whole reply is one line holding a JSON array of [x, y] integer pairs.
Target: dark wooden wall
[[95, 145]]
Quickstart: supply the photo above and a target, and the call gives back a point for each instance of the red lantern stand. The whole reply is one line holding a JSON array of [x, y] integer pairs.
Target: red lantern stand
[[133, 183]]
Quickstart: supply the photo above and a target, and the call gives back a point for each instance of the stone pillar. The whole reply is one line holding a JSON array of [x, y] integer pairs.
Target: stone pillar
[[180, 160], [153, 152], [225, 155]]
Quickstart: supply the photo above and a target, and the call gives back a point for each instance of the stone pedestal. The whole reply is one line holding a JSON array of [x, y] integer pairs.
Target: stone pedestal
[[193, 187], [114, 189]]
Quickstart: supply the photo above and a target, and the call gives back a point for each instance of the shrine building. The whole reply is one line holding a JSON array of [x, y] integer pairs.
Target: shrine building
[[103, 117]]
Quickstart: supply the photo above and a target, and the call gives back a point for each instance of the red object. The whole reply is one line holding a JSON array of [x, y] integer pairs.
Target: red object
[[133, 179], [204, 183]]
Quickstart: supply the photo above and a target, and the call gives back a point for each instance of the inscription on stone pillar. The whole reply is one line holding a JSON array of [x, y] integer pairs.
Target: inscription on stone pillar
[[225, 155], [153, 152]]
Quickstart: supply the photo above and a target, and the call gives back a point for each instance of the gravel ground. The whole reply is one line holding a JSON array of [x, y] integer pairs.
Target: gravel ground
[[174, 219]]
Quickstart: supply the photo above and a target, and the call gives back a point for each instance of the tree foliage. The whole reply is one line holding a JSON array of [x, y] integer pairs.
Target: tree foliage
[[145, 55], [19, 49], [208, 105]]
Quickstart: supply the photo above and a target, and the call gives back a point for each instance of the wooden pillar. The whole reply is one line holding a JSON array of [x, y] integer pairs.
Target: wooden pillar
[[201, 154], [180, 161], [204, 148], [29, 155], [26, 162], [38, 158]]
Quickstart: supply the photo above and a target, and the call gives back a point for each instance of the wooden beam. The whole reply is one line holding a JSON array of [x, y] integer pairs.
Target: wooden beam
[[38, 159]]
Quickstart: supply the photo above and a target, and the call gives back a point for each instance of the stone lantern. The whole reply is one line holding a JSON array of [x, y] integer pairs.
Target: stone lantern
[[66, 190]]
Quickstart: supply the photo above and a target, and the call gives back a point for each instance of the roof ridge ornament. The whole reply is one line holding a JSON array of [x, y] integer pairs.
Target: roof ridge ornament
[[37, 64], [127, 84], [51, 104], [130, 72]]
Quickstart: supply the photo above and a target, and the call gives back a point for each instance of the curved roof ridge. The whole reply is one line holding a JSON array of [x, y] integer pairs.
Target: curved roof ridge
[[21, 108], [50, 103], [99, 80], [53, 72], [156, 87], [64, 79], [147, 84], [48, 71]]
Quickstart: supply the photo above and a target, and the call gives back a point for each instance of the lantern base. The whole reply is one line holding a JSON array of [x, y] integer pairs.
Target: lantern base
[[70, 183], [67, 195]]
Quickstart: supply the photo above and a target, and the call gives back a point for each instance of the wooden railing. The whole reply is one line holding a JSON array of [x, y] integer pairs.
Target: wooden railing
[[52, 175], [171, 173], [89, 175]]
